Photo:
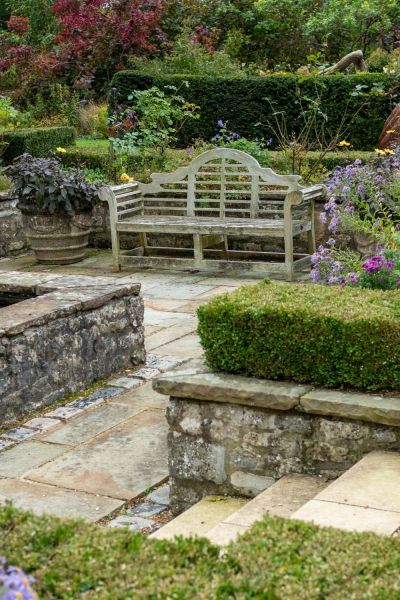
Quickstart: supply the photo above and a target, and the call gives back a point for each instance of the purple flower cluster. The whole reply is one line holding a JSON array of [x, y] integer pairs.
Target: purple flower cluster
[[377, 263], [224, 136], [14, 583]]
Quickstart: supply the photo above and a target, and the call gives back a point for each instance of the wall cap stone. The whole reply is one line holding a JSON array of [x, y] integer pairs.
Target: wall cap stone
[[56, 296], [195, 381]]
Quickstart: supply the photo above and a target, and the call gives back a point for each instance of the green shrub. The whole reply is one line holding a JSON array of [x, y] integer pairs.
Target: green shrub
[[248, 104], [37, 142], [276, 559], [326, 336]]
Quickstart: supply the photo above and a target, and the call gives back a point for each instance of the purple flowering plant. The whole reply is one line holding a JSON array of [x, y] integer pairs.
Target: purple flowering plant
[[362, 199], [14, 583], [224, 138]]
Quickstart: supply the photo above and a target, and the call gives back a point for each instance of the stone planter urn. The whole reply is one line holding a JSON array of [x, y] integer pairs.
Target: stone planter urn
[[365, 245], [57, 239]]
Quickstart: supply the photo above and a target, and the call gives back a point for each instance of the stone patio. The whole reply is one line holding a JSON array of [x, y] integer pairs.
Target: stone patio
[[87, 458]]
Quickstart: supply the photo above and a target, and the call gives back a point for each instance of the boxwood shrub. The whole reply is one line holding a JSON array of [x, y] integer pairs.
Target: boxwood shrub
[[364, 101], [326, 336], [36, 141], [277, 559]]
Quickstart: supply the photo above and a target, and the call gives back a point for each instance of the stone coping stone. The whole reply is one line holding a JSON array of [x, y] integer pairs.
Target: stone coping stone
[[199, 383], [57, 296], [195, 381]]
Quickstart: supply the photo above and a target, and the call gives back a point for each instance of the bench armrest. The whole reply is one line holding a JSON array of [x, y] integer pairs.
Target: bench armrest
[[305, 196]]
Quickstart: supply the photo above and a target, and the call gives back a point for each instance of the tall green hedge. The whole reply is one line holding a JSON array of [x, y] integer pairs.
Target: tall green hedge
[[243, 102], [325, 336], [38, 142]]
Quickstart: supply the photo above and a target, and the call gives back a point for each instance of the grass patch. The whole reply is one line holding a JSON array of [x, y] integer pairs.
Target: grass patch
[[277, 559], [326, 336]]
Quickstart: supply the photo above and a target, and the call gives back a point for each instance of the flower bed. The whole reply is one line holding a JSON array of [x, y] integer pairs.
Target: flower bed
[[326, 336]]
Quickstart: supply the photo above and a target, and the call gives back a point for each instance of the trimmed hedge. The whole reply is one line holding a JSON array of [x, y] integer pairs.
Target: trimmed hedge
[[276, 559], [36, 141], [325, 336], [242, 102]]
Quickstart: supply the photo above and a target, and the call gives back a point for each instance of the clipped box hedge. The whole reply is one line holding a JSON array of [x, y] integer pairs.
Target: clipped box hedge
[[38, 141], [243, 102], [325, 336]]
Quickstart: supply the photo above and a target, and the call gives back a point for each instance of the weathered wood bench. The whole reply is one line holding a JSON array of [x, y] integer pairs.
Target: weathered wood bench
[[222, 193]]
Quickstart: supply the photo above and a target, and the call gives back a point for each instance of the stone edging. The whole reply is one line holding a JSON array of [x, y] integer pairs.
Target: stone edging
[[55, 296], [132, 379], [196, 382]]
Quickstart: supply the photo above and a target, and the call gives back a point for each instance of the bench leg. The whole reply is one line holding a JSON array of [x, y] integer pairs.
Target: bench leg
[[289, 254], [311, 241], [143, 243], [115, 249], [198, 250]]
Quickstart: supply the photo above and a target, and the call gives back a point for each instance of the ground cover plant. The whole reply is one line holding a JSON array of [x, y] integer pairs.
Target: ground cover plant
[[325, 336], [277, 558]]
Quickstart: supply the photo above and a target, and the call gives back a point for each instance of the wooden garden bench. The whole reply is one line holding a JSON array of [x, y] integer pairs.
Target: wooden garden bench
[[220, 195]]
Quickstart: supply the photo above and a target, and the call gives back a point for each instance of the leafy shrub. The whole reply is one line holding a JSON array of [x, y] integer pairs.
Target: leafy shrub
[[42, 186], [93, 120], [360, 103], [325, 336], [36, 141]]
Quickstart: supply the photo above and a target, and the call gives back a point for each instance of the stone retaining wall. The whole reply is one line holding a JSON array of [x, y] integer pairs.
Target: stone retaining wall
[[76, 330], [231, 435], [12, 237]]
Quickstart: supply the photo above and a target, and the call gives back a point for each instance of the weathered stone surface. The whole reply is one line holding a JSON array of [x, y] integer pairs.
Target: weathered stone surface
[[128, 383], [20, 433], [12, 238], [89, 424], [232, 389], [42, 423], [200, 518], [249, 484], [363, 407], [120, 463], [17, 461], [50, 500], [349, 518], [133, 523], [60, 342], [6, 443], [161, 495], [261, 444], [146, 509]]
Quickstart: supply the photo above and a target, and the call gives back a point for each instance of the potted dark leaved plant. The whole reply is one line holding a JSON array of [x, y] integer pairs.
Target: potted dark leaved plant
[[56, 206]]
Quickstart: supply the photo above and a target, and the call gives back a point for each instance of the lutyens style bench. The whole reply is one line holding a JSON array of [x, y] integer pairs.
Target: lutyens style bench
[[223, 194]]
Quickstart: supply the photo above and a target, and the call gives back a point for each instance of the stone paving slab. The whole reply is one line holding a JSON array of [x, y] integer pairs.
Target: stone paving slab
[[373, 482], [46, 499], [186, 347], [142, 398], [161, 495], [16, 461], [121, 463], [200, 517], [164, 318], [177, 291], [170, 334], [133, 523], [349, 518], [90, 424]]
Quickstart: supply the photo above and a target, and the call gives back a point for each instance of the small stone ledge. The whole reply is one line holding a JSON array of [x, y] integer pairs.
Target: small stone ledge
[[351, 405], [196, 382]]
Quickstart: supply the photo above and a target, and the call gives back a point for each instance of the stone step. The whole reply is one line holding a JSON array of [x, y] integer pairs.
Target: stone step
[[221, 519], [200, 518], [364, 498], [282, 499]]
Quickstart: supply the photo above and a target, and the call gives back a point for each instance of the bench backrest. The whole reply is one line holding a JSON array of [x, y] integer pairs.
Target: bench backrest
[[219, 183]]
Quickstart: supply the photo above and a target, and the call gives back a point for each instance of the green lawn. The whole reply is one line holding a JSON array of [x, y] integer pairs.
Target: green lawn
[[276, 560], [89, 143]]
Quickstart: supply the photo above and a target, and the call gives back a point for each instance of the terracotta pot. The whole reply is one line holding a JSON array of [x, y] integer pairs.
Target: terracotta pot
[[57, 239], [365, 245]]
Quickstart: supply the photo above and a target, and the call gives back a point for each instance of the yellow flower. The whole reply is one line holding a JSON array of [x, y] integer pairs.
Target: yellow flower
[[390, 131], [344, 143], [61, 150], [378, 151], [125, 178], [389, 151]]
